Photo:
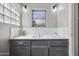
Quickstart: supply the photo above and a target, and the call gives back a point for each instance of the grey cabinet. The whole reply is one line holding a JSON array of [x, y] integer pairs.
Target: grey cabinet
[[19, 43], [31, 47], [58, 51], [58, 42], [20, 48], [39, 42], [39, 48], [39, 51], [20, 51], [58, 48]]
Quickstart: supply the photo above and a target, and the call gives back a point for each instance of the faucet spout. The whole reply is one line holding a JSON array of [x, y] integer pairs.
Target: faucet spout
[[39, 35]]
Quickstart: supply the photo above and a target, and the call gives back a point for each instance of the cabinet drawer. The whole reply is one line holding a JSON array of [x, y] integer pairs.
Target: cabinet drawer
[[58, 43], [58, 51], [39, 43], [17, 51], [20, 43], [58, 54], [39, 51]]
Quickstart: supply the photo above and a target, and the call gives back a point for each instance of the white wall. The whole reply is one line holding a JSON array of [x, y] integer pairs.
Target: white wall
[[5, 36], [15, 32], [63, 20], [75, 29], [41, 31], [67, 21], [50, 16], [64, 23]]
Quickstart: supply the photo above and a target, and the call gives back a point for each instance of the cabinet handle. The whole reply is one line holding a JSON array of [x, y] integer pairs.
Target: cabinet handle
[[20, 43]]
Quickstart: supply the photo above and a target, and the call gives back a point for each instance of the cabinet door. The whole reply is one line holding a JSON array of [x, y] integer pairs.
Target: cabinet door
[[58, 51], [19, 43], [19, 51], [58, 42], [39, 51], [39, 43]]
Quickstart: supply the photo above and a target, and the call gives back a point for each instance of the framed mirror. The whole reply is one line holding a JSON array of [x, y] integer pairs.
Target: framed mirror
[[38, 18]]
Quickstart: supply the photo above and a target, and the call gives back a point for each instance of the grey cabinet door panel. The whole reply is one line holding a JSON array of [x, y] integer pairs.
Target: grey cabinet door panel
[[58, 43], [58, 51], [39, 43], [20, 43], [39, 51], [17, 51]]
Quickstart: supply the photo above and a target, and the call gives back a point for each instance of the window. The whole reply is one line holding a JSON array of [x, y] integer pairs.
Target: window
[[7, 12], [16, 9], [1, 18], [1, 13], [1, 9], [10, 13], [38, 18]]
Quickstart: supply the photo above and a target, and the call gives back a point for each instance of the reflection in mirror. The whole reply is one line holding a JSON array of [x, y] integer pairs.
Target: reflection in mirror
[[38, 18]]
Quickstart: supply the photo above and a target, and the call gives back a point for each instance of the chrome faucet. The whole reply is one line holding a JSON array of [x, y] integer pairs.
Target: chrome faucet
[[39, 35]]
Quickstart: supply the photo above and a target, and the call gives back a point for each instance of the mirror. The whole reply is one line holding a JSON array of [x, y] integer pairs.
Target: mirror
[[38, 18]]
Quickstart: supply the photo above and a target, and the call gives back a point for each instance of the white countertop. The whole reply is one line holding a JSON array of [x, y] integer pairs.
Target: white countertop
[[41, 37]]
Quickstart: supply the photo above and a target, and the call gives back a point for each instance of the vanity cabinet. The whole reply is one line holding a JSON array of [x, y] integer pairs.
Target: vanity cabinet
[[58, 48], [20, 51], [39, 47], [20, 48], [39, 51], [58, 51]]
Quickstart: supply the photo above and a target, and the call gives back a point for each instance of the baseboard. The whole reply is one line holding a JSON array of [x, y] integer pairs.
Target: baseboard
[[4, 54]]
